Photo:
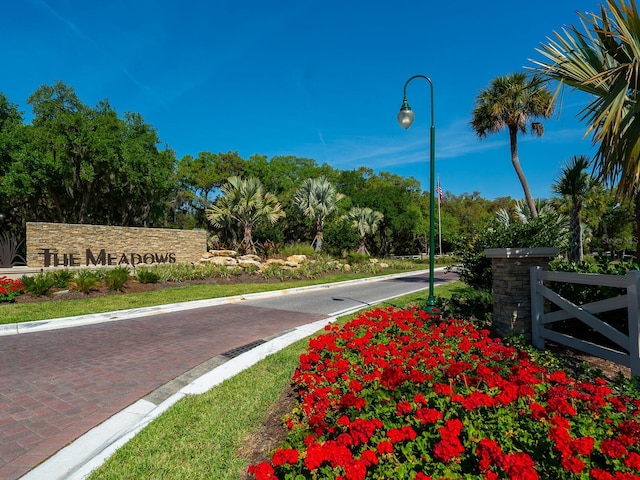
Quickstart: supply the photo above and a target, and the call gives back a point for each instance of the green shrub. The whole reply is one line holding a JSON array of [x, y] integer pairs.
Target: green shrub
[[251, 269], [85, 281], [297, 249], [147, 275], [61, 278], [116, 278], [547, 230], [271, 271], [469, 304], [38, 285], [357, 258]]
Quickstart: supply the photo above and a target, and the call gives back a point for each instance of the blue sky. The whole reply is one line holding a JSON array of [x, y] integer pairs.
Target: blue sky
[[310, 78]]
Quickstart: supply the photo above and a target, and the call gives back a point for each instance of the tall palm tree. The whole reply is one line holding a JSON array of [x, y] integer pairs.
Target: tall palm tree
[[366, 221], [245, 203], [573, 185], [317, 198], [512, 102]]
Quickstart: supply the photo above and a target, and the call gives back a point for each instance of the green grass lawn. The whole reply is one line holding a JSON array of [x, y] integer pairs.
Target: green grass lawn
[[202, 436]]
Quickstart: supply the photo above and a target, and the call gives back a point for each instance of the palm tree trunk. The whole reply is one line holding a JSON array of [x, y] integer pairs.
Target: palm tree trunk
[[575, 245], [513, 138], [637, 215], [319, 240], [362, 247], [247, 242]]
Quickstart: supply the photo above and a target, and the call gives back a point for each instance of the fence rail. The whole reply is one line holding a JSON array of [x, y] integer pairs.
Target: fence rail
[[627, 351]]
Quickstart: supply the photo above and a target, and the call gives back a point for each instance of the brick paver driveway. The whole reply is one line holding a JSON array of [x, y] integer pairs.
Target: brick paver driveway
[[59, 384]]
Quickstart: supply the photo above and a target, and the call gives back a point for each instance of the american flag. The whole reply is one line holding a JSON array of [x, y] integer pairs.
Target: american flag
[[439, 191]]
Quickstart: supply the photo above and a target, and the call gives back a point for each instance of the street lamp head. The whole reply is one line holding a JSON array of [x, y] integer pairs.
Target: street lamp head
[[405, 115]]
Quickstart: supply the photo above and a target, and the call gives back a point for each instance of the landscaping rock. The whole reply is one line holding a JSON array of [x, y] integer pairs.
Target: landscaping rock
[[223, 253], [298, 259]]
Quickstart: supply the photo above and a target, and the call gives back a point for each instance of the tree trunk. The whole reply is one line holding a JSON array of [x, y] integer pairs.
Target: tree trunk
[[637, 214], [319, 240], [513, 138], [575, 253], [247, 242], [362, 247]]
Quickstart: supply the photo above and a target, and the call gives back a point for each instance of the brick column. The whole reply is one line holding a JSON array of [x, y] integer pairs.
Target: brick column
[[511, 286]]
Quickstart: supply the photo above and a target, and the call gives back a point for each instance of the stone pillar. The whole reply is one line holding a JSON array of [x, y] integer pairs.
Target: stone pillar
[[512, 286]]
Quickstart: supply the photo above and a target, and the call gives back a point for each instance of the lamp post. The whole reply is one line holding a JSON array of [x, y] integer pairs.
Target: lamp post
[[405, 118]]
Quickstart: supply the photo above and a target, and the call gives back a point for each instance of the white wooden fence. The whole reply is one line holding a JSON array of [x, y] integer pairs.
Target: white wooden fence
[[629, 352]]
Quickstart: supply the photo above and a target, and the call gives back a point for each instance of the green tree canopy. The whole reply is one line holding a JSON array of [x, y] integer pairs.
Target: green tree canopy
[[244, 202], [317, 198], [573, 185], [366, 222], [79, 164]]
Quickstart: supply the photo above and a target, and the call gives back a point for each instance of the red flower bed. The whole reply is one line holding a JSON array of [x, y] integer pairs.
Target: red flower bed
[[10, 289], [400, 395]]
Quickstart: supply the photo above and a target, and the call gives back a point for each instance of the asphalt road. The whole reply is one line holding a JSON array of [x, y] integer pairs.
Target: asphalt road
[[334, 300]]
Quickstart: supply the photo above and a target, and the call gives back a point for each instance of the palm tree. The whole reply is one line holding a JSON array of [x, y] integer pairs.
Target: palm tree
[[604, 62], [366, 221], [245, 203], [512, 101], [317, 198], [573, 184]]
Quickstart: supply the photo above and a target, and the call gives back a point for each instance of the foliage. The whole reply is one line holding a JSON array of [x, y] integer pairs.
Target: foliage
[[397, 394], [512, 102], [317, 198], [61, 278], [245, 203], [547, 230], [85, 281], [470, 304], [147, 275], [602, 60], [199, 179], [75, 163], [401, 201], [365, 221], [10, 289], [573, 185], [340, 236], [297, 249], [609, 222], [116, 278], [39, 284]]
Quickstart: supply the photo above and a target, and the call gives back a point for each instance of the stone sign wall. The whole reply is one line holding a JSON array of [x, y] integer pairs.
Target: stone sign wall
[[68, 245]]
